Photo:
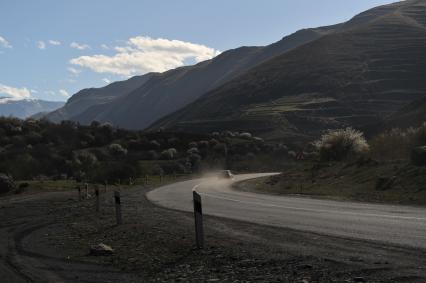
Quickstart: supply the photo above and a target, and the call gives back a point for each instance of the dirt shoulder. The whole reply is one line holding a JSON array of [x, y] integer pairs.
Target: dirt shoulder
[[368, 181], [46, 237]]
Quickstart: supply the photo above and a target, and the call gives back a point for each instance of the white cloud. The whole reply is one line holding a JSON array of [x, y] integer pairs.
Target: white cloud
[[64, 93], [54, 42], [41, 44], [104, 46], [15, 93], [79, 46], [4, 43], [74, 71], [142, 54], [106, 80]]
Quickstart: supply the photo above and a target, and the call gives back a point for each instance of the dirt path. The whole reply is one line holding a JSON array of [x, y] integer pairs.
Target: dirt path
[[46, 238]]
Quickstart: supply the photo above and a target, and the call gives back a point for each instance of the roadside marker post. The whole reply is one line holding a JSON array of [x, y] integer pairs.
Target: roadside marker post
[[118, 207], [97, 199], [87, 190], [79, 192], [198, 215], [146, 179]]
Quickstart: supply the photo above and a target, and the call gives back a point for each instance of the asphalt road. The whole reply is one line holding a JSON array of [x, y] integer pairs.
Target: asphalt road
[[391, 224]]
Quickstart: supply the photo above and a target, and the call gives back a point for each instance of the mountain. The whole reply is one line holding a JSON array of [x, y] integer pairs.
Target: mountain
[[359, 72], [167, 92], [26, 107], [411, 115], [86, 98]]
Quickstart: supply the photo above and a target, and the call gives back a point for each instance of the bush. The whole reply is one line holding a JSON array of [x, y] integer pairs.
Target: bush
[[6, 183], [117, 150], [192, 150], [152, 155], [341, 144], [169, 153], [84, 161], [398, 143], [246, 136]]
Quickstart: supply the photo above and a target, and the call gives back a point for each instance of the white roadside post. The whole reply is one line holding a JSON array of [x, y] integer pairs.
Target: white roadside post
[[198, 215]]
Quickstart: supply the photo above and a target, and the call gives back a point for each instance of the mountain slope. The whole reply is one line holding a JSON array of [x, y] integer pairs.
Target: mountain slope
[[86, 98], [167, 92], [27, 107], [367, 69]]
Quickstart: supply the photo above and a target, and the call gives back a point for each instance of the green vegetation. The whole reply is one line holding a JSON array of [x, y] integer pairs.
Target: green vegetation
[[343, 165], [41, 151], [341, 144]]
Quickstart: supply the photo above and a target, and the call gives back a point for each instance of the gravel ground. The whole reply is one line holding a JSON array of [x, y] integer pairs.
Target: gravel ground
[[49, 238]]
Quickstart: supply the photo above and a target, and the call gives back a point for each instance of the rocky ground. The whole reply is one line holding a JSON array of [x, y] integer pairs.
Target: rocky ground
[[48, 236]]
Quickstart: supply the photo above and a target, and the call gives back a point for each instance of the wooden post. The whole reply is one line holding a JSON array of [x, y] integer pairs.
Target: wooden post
[[146, 179], [118, 207], [97, 199], [198, 215], [86, 185], [79, 192]]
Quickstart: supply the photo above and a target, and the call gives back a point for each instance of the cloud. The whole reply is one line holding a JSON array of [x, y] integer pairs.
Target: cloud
[[41, 45], [79, 46], [106, 80], [142, 54], [104, 46], [74, 71], [15, 93], [64, 93], [4, 43], [54, 42]]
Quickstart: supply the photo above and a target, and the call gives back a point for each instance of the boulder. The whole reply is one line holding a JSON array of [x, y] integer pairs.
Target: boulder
[[6, 183], [101, 250], [418, 156]]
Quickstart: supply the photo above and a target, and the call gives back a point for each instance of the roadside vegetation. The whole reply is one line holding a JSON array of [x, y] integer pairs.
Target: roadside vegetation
[[390, 167], [36, 153]]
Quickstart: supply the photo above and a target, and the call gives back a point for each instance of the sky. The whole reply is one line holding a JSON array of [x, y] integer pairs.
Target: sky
[[50, 49]]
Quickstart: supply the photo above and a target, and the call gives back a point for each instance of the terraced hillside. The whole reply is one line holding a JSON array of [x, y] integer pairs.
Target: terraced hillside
[[366, 70]]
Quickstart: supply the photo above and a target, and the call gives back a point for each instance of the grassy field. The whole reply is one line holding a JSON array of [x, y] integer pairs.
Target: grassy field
[[392, 182]]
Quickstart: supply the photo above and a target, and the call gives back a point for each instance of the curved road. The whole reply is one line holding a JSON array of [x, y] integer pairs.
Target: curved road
[[393, 224]]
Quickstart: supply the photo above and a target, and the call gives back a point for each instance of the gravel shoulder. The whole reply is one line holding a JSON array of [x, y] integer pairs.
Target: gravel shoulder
[[47, 237]]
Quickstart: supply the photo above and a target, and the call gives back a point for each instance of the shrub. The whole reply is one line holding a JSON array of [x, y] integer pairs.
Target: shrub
[[85, 161], [169, 153], [398, 143], [155, 144], [152, 155], [192, 144], [245, 136], [341, 144], [6, 183], [192, 150], [117, 150]]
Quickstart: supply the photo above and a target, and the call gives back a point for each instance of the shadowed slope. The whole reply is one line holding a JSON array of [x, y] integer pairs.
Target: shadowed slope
[[372, 67]]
